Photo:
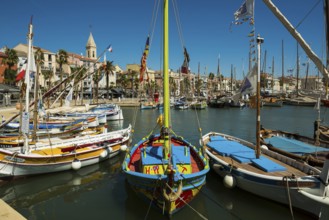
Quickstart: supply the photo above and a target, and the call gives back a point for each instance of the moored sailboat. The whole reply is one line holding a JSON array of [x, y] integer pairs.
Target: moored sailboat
[[56, 155], [165, 168], [266, 173]]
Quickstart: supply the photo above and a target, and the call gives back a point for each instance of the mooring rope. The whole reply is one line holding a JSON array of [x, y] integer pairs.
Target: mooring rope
[[285, 178], [150, 205], [188, 205]]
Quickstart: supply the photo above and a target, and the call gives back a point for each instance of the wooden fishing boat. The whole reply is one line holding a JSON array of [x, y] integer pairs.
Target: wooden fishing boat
[[272, 102], [180, 105], [323, 132], [298, 147], [272, 176], [59, 155], [112, 111], [147, 105], [199, 105], [56, 155], [165, 168], [11, 141], [267, 173]]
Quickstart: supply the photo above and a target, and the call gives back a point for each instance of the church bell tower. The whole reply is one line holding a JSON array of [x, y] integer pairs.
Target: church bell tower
[[91, 49]]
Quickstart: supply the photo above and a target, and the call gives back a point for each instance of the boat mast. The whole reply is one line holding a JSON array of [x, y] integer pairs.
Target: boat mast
[[326, 13], [298, 37], [26, 118], [231, 84], [282, 80], [259, 42], [166, 99], [297, 71], [36, 97], [218, 75], [272, 83]]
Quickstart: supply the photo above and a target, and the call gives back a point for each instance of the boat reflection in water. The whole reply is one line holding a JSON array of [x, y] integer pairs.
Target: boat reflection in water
[[28, 194]]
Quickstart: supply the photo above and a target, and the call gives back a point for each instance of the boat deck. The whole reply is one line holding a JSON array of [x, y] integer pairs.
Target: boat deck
[[136, 160], [251, 167]]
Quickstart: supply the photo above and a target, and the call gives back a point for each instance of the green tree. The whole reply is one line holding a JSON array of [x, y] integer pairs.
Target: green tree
[[61, 59], [172, 85], [108, 68], [187, 85], [123, 81], [97, 78], [10, 60], [134, 82]]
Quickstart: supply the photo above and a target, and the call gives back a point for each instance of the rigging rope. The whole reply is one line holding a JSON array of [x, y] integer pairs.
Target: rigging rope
[[308, 13], [179, 25]]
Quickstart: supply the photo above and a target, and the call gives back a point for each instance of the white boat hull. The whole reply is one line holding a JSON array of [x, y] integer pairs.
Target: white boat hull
[[282, 189]]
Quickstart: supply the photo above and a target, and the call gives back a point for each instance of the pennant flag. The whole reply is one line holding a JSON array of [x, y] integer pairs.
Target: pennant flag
[[109, 48], [143, 59], [252, 33], [244, 13], [21, 73], [185, 66]]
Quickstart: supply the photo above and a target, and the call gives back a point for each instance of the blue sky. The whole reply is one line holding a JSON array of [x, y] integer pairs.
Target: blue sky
[[66, 24]]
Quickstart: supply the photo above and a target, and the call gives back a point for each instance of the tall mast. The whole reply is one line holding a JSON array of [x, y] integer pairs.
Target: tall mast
[[259, 42], [297, 70], [218, 75], [166, 99], [326, 12], [26, 117], [231, 78], [272, 83], [282, 80]]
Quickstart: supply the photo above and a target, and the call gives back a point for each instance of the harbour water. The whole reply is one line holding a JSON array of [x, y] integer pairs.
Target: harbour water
[[101, 192]]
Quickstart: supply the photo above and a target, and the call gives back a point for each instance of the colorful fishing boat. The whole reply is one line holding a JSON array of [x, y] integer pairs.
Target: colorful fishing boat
[[165, 168], [56, 155]]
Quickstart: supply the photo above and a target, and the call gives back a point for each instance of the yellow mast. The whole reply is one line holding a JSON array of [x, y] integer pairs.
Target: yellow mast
[[166, 99]]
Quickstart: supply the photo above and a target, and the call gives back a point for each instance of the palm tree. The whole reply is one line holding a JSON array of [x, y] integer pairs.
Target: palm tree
[[97, 78], [61, 59], [11, 60], [172, 85], [108, 68], [134, 84], [187, 85]]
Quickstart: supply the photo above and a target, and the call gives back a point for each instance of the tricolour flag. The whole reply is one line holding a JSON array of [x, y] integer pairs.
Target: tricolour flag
[[109, 48], [143, 59], [21, 73]]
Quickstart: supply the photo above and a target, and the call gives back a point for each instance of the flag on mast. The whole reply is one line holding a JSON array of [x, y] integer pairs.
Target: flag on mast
[[185, 66], [246, 11], [109, 48]]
